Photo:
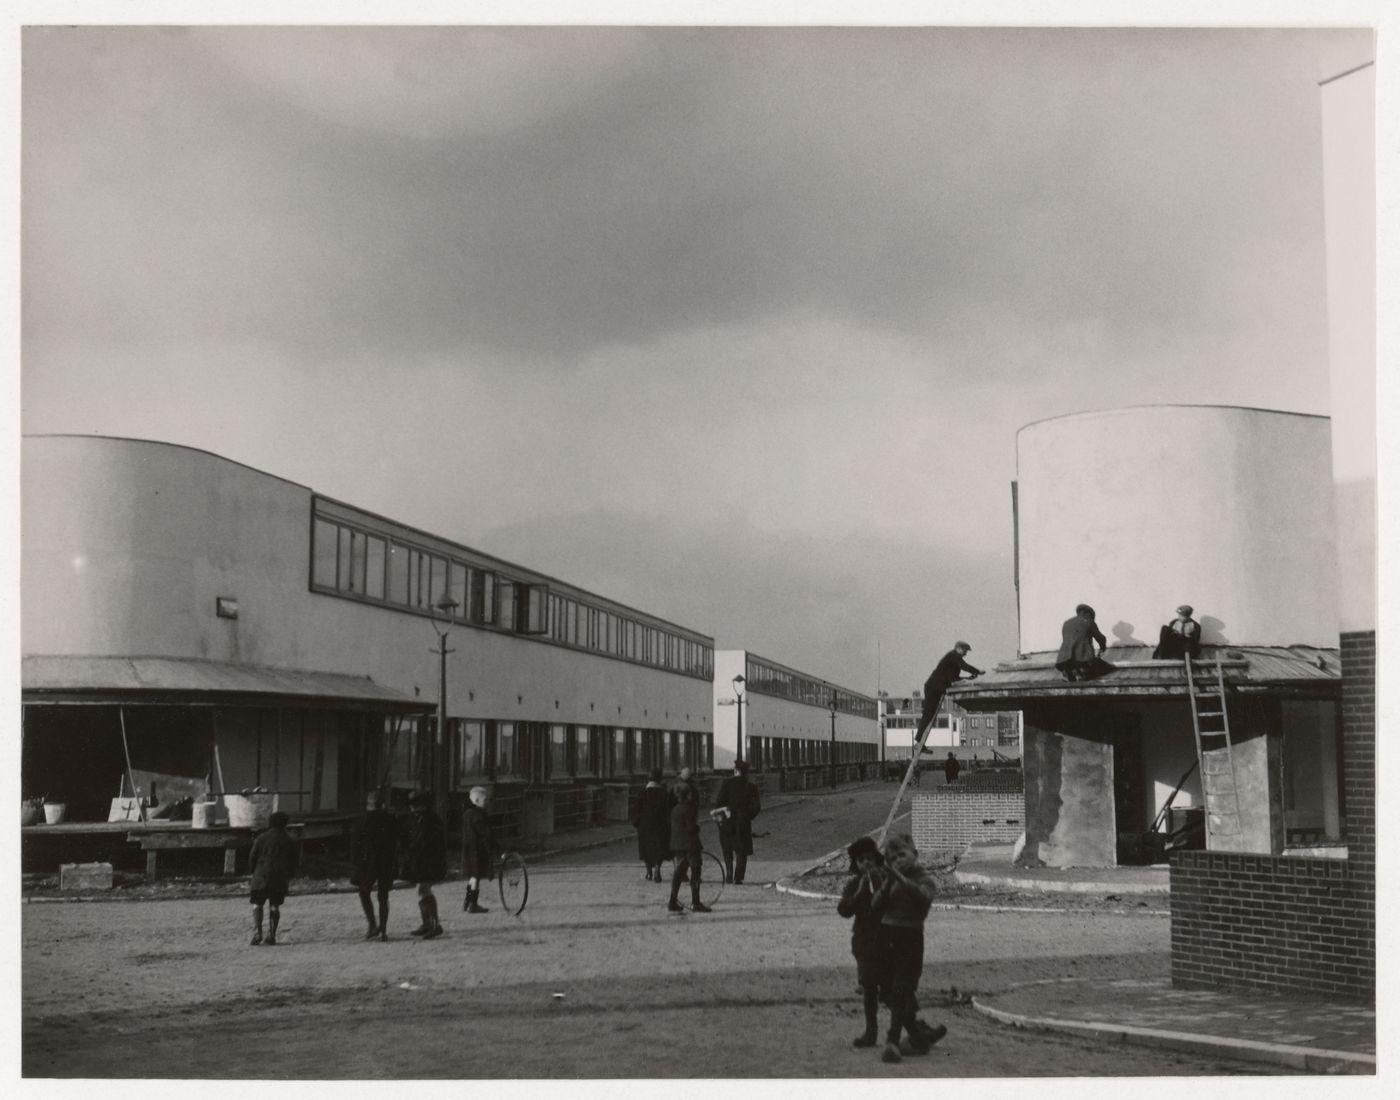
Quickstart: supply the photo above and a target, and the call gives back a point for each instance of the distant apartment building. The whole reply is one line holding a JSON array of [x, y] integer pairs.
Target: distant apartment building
[[991, 734]]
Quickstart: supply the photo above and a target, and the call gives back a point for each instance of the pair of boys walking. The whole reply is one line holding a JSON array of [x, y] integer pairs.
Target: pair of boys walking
[[379, 842], [887, 898]]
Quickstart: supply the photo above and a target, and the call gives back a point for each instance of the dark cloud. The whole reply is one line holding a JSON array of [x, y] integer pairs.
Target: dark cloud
[[186, 185]]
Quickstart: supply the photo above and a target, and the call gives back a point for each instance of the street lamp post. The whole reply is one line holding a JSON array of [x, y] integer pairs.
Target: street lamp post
[[433, 769], [739, 718], [833, 740]]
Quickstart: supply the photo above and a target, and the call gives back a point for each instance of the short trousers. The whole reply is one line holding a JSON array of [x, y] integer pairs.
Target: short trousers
[[271, 897]]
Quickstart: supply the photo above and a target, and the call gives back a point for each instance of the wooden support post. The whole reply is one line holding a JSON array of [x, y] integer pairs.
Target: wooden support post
[[126, 751]]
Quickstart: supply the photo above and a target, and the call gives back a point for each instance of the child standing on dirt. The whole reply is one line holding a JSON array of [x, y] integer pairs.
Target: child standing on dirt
[[374, 847], [424, 841], [867, 937], [479, 848], [685, 850], [902, 902], [272, 862]]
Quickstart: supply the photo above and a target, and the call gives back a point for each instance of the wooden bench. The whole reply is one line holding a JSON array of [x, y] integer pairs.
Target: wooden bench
[[156, 838]]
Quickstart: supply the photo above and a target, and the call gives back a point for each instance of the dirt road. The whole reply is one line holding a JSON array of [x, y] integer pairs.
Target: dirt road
[[594, 980]]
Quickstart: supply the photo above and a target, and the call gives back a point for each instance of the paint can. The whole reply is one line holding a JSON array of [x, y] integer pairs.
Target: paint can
[[202, 814], [54, 811], [250, 809]]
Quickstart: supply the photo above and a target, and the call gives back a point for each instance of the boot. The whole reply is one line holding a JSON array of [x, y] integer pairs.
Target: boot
[[273, 916], [648, 872], [384, 921], [696, 905], [728, 868], [257, 928], [871, 1004], [368, 907], [431, 920], [472, 898], [427, 921], [674, 905]]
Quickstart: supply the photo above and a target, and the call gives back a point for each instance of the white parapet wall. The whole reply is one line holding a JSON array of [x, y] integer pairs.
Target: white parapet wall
[[1137, 510]]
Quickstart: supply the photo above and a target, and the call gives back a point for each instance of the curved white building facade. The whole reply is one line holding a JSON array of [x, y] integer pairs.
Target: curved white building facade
[[1137, 510]]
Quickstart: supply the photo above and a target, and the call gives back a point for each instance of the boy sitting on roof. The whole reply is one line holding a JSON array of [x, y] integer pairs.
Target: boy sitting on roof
[[1180, 638]]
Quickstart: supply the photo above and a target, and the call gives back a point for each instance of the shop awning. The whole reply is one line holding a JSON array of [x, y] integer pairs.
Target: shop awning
[[195, 681]]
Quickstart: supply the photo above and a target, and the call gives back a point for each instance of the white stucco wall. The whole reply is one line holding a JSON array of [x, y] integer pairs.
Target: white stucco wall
[[768, 716], [1137, 510], [126, 544], [1349, 198]]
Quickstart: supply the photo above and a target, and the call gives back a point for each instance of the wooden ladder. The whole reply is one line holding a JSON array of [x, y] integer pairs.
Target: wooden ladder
[[1210, 719]]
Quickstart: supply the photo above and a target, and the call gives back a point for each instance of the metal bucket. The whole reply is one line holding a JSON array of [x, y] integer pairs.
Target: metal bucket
[[251, 809]]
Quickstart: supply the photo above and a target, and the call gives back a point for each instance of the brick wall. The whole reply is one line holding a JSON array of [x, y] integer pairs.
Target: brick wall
[[1359, 745], [1273, 922], [1283, 923], [947, 817]]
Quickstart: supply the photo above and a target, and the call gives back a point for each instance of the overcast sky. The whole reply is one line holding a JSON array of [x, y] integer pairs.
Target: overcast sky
[[735, 326]]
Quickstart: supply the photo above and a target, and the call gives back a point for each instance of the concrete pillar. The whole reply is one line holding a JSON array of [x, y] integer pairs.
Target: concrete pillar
[[1256, 748], [1068, 767]]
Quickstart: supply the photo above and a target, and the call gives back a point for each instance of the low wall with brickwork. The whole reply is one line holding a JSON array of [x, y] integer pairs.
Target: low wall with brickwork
[[1272, 922], [1281, 922], [950, 817]]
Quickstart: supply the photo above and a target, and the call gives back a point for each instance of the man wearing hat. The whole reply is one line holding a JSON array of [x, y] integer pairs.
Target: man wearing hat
[[735, 808], [1077, 659], [948, 671], [1180, 638]]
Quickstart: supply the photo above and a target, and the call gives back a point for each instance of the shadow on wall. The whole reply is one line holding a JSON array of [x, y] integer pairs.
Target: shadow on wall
[[1213, 631], [1123, 634], [1042, 756]]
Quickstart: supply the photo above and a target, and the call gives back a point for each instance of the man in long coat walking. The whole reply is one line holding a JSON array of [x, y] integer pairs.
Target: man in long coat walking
[[735, 809]]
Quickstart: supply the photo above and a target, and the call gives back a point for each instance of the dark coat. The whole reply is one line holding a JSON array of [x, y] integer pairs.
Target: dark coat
[[424, 845], [904, 903], [374, 849], [479, 844], [1178, 638], [689, 784], [740, 798], [1077, 645], [685, 829], [948, 671], [951, 767], [867, 941], [652, 820], [273, 861]]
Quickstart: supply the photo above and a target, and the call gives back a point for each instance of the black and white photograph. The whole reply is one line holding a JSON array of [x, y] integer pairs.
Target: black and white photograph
[[771, 546]]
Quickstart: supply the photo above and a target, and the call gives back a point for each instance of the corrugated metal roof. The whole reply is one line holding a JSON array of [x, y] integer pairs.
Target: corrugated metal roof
[[123, 677], [1251, 669]]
